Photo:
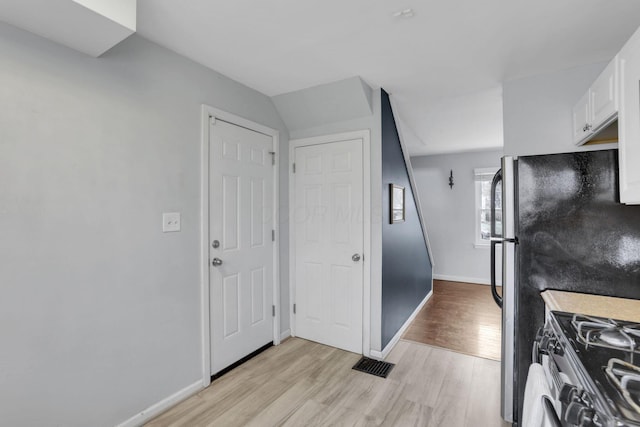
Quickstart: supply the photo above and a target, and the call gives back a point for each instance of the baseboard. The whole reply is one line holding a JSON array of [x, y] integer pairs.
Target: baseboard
[[284, 335], [476, 280], [385, 352], [158, 408]]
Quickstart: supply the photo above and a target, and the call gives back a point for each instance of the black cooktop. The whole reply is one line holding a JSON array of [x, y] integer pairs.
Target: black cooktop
[[609, 351]]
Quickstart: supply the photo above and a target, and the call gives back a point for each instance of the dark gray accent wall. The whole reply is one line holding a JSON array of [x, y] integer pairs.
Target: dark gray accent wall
[[406, 267]]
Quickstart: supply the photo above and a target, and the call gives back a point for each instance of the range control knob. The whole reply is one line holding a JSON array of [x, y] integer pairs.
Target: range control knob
[[568, 393], [557, 349], [578, 414], [544, 344]]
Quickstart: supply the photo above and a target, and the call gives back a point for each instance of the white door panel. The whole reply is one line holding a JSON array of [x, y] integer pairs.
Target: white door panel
[[240, 217], [328, 232]]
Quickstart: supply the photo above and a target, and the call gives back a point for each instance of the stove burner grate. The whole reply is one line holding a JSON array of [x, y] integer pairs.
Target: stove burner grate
[[625, 375], [616, 338], [607, 333]]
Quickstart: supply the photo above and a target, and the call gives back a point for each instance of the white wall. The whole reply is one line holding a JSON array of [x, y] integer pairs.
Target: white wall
[[537, 110], [100, 311], [449, 213]]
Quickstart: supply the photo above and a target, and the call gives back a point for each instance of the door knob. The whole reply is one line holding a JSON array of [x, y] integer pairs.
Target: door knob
[[355, 257], [216, 262]]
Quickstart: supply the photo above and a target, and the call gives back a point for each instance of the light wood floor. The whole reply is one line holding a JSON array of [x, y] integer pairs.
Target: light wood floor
[[459, 316], [301, 383]]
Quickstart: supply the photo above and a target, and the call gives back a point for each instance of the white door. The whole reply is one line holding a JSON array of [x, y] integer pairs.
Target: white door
[[240, 224], [328, 221]]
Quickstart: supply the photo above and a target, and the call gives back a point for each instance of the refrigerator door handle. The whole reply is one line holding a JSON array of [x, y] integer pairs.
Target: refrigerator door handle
[[496, 241], [495, 238], [497, 178], [505, 239], [494, 292]]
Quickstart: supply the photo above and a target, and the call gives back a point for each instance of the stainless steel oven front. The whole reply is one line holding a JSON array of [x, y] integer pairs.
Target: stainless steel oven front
[[571, 404], [591, 375]]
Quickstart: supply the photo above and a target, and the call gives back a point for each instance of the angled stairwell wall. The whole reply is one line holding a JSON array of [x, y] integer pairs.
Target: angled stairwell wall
[[407, 266]]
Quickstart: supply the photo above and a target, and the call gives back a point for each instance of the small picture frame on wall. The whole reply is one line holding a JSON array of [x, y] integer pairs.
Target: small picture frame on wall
[[396, 198]]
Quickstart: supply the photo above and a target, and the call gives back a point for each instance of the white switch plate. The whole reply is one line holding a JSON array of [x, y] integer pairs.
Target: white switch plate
[[170, 222]]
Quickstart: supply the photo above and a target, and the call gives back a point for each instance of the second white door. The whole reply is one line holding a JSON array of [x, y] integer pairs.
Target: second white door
[[241, 244], [329, 233]]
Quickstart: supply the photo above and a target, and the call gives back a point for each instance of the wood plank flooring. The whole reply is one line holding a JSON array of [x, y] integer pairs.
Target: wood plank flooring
[[459, 316], [301, 383]]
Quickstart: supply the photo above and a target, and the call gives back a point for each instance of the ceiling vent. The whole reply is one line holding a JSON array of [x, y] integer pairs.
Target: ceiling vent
[[405, 13]]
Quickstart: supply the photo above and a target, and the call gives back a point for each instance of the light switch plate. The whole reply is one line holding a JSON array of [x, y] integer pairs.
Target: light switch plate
[[170, 222]]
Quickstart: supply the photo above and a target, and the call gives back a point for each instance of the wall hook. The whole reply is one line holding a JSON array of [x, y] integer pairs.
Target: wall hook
[[451, 179]]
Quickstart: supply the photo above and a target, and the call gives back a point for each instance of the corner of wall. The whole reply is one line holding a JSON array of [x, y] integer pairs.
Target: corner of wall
[[376, 223]]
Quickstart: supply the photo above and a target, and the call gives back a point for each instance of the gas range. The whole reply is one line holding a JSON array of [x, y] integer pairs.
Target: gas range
[[592, 365]]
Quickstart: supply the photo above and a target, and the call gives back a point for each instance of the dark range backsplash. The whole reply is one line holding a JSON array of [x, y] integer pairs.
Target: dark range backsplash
[[574, 233]]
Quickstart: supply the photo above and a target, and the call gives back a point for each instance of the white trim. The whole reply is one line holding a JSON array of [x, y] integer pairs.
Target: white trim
[[285, 334], [158, 408], [365, 136], [385, 352], [481, 175], [204, 248], [276, 244], [412, 181], [208, 113], [454, 150], [476, 280], [479, 172], [367, 248]]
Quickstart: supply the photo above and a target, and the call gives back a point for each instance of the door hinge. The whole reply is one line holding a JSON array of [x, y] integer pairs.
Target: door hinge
[[273, 235], [294, 168], [273, 311], [294, 309], [273, 157]]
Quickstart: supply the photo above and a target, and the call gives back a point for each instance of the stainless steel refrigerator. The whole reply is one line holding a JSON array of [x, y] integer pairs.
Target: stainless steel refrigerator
[[561, 226]]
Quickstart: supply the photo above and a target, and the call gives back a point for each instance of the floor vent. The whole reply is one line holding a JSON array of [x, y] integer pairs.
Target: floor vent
[[374, 367]]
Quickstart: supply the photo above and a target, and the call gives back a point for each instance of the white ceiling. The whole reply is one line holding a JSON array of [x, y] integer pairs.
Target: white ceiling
[[89, 26], [443, 67]]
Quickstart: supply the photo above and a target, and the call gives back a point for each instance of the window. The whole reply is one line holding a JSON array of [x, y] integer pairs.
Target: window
[[483, 178]]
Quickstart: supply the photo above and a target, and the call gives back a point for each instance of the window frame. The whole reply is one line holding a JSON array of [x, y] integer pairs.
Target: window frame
[[478, 173]]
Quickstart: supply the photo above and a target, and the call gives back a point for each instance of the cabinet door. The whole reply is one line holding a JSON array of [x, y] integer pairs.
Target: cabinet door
[[581, 123], [629, 121], [604, 96]]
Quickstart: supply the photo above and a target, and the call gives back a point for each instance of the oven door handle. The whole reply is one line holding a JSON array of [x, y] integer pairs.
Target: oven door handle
[[550, 412]]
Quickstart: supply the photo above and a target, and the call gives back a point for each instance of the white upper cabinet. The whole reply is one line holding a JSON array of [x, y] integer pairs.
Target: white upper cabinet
[[581, 118], [629, 121], [598, 107], [603, 96]]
